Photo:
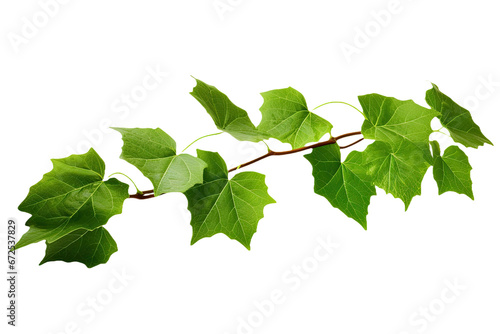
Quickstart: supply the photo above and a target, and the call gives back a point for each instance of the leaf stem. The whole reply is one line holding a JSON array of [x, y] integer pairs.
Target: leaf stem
[[268, 148], [150, 193], [138, 191], [347, 104], [439, 131], [212, 134]]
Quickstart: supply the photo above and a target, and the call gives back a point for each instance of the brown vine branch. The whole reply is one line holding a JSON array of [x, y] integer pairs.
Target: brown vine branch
[[351, 144], [144, 195], [150, 193], [330, 141]]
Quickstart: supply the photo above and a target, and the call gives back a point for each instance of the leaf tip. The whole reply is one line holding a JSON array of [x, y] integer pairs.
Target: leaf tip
[[117, 129], [194, 239]]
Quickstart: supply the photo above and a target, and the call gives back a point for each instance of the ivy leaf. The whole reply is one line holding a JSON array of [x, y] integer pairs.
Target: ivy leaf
[[398, 170], [391, 120], [153, 152], [88, 247], [72, 196], [227, 116], [222, 205], [456, 119], [344, 184], [452, 170], [285, 117]]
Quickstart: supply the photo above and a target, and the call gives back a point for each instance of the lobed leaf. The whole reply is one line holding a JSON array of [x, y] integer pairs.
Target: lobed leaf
[[225, 114], [452, 170], [222, 205], [391, 121], [88, 247], [344, 184], [153, 152], [398, 170], [285, 116], [456, 119], [71, 199]]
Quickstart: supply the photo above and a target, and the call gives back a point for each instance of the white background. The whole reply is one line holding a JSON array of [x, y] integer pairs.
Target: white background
[[66, 79]]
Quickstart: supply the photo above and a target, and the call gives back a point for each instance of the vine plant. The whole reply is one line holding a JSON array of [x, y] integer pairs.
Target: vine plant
[[72, 202]]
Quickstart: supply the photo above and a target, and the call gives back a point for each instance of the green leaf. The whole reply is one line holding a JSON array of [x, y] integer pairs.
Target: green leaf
[[153, 152], [391, 120], [452, 170], [88, 247], [344, 184], [227, 116], [285, 117], [230, 206], [72, 196], [456, 119], [398, 170]]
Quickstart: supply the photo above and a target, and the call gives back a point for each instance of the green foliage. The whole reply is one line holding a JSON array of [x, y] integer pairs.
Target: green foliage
[[88, 247], [153, 152], [393, 121], [285, 117], [72, 197], [344, 184], [71, 203], [398, 170], [227, 116], [452, 170], [222, 205], [456, 119]]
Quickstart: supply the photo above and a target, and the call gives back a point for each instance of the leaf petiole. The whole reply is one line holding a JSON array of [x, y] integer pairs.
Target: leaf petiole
[[137, 189], [441, 132], [268, 148], [212, 134], [340, 102]]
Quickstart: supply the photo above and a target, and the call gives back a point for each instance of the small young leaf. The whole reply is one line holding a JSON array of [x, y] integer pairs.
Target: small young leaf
[[456, 119], [227, 116], [285, 117], [398, 170], [391, 120], [219, 205], [152, 151], [88, 247], [452, 170], [344, 184], [70, 197]]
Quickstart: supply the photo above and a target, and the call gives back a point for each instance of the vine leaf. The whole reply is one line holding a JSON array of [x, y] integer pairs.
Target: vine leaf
[[398, 170], [452, 170], [391, 120], [88, 247], [226, 115], [72, 196], [230, 206], [285, 116], [456, 119], [153, 152], [344, 184]]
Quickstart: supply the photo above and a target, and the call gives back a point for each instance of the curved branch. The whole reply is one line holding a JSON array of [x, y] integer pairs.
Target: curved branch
[[330, 141], [351, 144], [271, 153], [139, 196], [144, 195]]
